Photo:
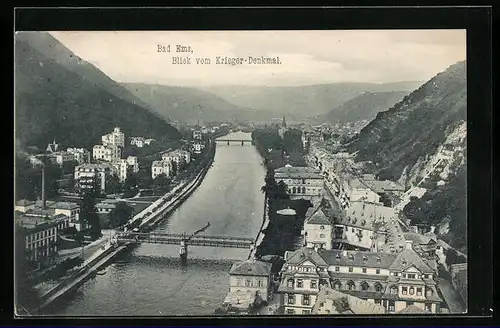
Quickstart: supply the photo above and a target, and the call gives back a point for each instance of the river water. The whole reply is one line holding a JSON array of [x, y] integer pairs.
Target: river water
[[149, 280]]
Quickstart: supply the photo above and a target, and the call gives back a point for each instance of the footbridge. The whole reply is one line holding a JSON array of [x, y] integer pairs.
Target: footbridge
[[229, 141], [177, 239]]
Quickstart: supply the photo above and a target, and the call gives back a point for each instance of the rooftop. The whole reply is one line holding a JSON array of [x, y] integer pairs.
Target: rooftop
[[302, 172], [412, 309], [344, 304], [318, 217], [251, 268]]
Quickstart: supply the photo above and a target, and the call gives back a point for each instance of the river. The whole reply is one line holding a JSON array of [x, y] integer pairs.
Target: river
[[150, 280]]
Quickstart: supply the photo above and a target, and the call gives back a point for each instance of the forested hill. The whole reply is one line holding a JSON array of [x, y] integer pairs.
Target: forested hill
[[73, 106], [415, 127], [363, 107]]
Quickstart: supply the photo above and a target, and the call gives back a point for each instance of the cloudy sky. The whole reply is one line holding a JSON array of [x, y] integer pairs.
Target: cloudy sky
[[308, 57]]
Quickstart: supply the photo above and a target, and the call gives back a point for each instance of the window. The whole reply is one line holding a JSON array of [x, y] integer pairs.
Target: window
[[350, 269], [408, 303], [391, 306], [300, 283], [419, 291], [364, 270], [377, 271], [337, 285], [260, 283], [352, 230], [428, 307], [428, 292], [306, 299], [248, 283], [364, 285], [394, 290], [411, 276], [351, 285], [396, 274], [404, 290], [378, 302], [314, 284], [322, 235], [337, 269], [290, 311], [290, 283], [306, 311], [322, 227], [412, 290], [327, 311], [291, 299]]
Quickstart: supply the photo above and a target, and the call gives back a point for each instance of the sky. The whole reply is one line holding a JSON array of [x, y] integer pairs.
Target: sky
[[307, 57]]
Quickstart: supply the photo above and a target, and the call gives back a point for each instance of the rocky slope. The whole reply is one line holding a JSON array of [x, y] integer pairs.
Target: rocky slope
[[421, 141], [54, 99]]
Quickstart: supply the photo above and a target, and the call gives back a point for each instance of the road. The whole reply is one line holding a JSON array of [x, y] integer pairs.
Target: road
[[450, 295]]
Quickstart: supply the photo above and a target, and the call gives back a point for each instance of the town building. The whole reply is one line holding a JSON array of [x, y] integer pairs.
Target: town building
[[133, 163], [359, 227], [197, 134], [331, 301], [121, 168], [61, 157], [40, 237], [318, 228], [66, 213], [283, 128], [149, 141], [106, 206], [389, 190], [137, 141], [160, 167], [251, 277], [198, 147], [115, 138], [178, 156], [88, 174], [81, 155], [302, 182], [360, 191], [108, 153], [459, 280], [394, 281], [52, 147]]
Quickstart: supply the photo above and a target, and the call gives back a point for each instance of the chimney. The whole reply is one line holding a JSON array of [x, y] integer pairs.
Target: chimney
[[43, 187], [433, 228], [409, 244]]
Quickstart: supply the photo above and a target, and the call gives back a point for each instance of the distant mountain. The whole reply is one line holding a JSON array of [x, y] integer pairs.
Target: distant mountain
[[58, 95], [363, 107], [301, 101], [190, 105], [421, 141]]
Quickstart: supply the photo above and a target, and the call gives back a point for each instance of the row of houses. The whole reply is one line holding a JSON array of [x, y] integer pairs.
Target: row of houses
[[164, 166]]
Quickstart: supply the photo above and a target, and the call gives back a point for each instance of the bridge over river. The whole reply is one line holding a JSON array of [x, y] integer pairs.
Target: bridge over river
[[176, 239]]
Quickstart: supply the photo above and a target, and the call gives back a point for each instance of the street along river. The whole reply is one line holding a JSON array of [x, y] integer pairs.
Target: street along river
[[150, 280]]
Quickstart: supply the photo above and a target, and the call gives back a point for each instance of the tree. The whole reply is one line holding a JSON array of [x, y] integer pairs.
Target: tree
[[88, 213], [26, 296], [161, 182], [120, 215], [174, 168], [113, 184]]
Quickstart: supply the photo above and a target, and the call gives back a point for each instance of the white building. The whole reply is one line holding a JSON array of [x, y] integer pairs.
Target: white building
[[160, 167], [197, 147], [62, 157], [121, 167], [68, 212], [318, 229], [360, 191], [115, 138], [302, 182], [178, 156], [85, 174], [81, 155], [108, 153], [137, 141], [40, 238], [133, 163], [250, 278]]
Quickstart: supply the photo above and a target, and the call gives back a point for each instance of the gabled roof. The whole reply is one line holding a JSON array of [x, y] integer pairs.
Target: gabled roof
[[357, 258], [408, 258], [251, 268], [301, 255], [25, 202], [318, 217], [345, 304]]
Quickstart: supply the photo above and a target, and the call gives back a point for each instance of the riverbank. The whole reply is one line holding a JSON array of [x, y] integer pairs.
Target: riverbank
[[105, 254]]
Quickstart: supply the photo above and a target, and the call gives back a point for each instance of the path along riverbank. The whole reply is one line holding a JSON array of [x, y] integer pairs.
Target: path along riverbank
[[103, 255]]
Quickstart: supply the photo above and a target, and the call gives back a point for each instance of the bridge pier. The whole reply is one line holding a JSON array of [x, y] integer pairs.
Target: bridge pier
[[228, 142], [183, 251]]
